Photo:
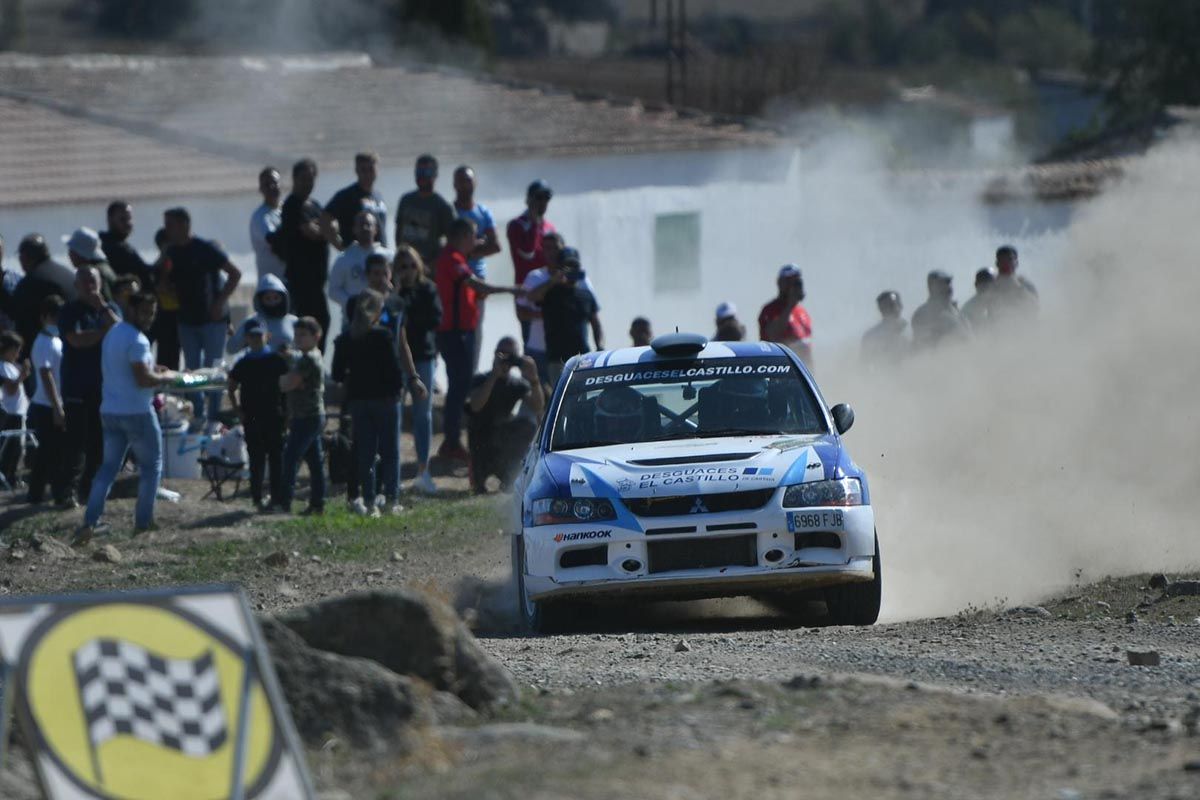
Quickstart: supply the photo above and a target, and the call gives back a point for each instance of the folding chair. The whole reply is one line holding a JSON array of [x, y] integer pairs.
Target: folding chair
[[218, 471]]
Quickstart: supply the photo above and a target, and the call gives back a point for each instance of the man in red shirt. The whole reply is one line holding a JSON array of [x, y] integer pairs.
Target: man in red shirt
[[459, 290], [784, 320], [525, 234]]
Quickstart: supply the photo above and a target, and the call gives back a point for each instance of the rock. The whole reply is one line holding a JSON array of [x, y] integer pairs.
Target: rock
[[601, 715], [276, 559], [1182, 589], [410, 634], [1131, 617], [397, 557], [1159, 581], [107, 555], [353, 699], [375, 572], [1142, 658], [50, 547], [16, 555], [1029, 611], [1103, 606], [1192, 766], [682, 646], [803, 682], [315, 559]]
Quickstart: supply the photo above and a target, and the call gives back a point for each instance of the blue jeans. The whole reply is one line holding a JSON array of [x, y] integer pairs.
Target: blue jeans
[[203, 346], [422, 411], [304, 441], [458, 350], [377, 430], [123, 432]]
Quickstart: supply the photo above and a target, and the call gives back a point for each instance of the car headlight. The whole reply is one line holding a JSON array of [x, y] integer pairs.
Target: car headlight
[[571, 510], [846, 492]]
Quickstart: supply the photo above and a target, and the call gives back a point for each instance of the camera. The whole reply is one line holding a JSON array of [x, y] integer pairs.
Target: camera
[[511, 359], [574, 275]]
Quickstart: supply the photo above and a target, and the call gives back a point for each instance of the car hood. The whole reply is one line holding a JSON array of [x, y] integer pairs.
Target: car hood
[[695, 466]]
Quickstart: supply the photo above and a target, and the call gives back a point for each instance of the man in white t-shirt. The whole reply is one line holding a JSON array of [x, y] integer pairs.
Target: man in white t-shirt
[[127, 413], [263, 224], [13, 404], [348, 277], [47, 415]]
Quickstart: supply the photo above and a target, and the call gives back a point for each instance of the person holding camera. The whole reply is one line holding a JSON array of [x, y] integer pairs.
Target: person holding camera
[[569, 308], [497, 437]]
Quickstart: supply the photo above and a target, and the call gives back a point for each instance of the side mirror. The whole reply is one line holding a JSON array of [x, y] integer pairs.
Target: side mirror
[[843, 417]]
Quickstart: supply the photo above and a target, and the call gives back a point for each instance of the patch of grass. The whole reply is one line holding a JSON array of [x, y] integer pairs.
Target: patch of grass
[[428, 525]]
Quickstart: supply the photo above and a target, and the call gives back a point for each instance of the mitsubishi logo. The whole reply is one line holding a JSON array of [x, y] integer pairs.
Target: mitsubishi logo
[[698, 507]]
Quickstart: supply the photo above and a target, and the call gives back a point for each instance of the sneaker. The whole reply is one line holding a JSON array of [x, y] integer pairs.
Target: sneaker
[[424, 483], [380, 501], [357, 506], [375, 513], [85, 533], [395, 510]]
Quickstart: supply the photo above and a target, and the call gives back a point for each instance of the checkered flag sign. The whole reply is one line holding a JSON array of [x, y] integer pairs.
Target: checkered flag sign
[[129, 691]]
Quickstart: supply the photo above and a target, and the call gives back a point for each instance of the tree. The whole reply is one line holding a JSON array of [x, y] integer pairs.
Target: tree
[[1153, 63]]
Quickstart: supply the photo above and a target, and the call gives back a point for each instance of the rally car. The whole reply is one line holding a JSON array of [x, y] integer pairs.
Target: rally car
[[690, 469]]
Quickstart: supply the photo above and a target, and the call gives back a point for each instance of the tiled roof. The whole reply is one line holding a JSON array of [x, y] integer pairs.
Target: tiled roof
[[209, 114]]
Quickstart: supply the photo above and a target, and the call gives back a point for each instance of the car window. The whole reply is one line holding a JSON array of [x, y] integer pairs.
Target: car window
[[667, 400]]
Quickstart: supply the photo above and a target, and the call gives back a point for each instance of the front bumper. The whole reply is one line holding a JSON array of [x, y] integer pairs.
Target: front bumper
[[602, 559]]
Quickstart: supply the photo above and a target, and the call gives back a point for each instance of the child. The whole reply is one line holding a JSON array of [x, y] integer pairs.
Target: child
[[254, 392], [304, 387], [47, 416], [13, 405]]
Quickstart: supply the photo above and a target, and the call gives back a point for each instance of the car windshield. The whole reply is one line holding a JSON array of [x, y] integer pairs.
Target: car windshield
[[693, 399]]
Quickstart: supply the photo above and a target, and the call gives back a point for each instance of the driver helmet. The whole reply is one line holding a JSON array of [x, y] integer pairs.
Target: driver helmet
[[746, 400], [618, 414]]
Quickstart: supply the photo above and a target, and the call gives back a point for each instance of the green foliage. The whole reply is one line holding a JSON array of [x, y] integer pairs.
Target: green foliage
[[1152, 60]]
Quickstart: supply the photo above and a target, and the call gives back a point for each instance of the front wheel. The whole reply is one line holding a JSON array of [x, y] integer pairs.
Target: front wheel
[[538, 616], [857, 603]]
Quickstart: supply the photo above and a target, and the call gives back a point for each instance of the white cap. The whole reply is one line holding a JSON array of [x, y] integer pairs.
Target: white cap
[[725, 311], [85, 243]]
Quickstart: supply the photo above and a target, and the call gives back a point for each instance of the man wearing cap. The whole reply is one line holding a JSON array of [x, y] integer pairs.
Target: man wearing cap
[[423, 216], [84, 250], [569, 309], [729, 327], [121, 255], [1012, 297], [938, 319], [784, 320], [525, 237], [887, 342]]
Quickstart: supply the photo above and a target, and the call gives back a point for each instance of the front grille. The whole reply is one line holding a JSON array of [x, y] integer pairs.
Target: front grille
[[709, 503], [709, 553]]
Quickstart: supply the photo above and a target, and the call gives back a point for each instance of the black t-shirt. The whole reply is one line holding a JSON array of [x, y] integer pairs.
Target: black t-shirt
[[423, 220], [422, 315], [369, 365], [566, 311], [125, 260], [345, 205], [196, 273], [506, 393], [307, 260], [80, 371], [257, 375]]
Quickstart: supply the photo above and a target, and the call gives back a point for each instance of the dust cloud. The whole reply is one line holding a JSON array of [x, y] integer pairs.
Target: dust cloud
[[1006, 469]]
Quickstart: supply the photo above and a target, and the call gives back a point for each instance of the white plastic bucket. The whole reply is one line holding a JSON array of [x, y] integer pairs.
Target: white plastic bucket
[[182, 452]]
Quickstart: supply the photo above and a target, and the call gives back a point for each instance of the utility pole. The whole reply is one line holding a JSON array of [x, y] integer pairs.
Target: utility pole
[[676, 49]]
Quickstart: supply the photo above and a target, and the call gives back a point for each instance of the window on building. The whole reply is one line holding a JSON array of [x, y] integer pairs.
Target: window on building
[[677, 251]]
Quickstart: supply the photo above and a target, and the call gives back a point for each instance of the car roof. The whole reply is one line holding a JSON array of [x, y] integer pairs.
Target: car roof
[[643, 355]]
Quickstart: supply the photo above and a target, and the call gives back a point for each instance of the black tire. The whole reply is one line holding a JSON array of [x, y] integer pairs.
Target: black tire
[[856, 603], [537, 616]]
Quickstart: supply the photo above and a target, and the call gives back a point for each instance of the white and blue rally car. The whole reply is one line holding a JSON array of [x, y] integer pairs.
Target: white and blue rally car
[[691, 469]]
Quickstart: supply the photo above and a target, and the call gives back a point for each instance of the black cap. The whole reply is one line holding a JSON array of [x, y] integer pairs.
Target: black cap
[[940, 276], [540, 187], [569, 257], [253, 327]]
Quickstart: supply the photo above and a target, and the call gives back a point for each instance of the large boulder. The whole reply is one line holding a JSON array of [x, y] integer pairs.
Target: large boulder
[[353, 699], [410, 634]]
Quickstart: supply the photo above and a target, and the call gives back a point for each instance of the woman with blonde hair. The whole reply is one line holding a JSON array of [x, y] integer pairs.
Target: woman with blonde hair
[[370, 362], [422, 313]]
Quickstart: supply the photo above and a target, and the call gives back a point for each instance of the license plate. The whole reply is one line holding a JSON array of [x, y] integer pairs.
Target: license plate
[[815, 520]]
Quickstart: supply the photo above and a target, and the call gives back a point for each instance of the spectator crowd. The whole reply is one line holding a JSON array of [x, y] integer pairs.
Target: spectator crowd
[[87, 350]]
